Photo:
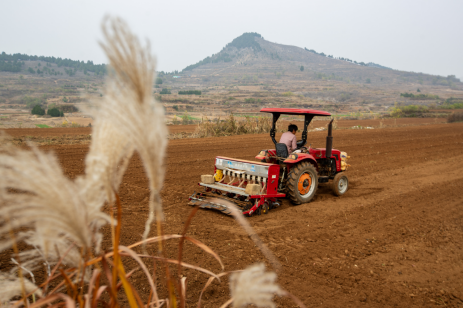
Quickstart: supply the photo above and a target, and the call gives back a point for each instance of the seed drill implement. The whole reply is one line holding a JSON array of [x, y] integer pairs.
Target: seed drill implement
[[256, 186]]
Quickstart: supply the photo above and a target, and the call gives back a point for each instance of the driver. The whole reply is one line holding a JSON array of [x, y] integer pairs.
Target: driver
[[289, 138]]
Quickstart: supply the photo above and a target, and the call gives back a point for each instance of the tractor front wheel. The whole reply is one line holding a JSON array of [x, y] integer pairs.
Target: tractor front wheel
[[340, 184], [302, 183]]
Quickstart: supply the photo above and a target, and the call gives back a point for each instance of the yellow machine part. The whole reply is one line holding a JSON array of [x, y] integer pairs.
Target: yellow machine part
[[218, 175], [344, 158]]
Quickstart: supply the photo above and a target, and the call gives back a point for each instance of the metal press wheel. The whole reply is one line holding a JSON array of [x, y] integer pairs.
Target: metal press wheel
[[264, 208]]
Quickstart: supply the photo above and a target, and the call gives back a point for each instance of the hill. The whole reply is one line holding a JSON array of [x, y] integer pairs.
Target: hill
[[250, 54]]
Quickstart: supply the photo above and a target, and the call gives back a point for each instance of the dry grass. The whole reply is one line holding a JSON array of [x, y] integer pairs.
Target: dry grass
[[455, 117], [232, 126], [55, 140]]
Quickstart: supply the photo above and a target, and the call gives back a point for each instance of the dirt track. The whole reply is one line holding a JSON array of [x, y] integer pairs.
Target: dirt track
[[394, 239]]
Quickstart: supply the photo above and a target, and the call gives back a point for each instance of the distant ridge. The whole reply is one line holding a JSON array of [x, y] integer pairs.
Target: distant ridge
[[15, 63], [250, 58]]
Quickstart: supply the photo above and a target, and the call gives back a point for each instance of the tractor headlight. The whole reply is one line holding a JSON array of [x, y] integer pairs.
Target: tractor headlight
[[294, 157], [263, 153]]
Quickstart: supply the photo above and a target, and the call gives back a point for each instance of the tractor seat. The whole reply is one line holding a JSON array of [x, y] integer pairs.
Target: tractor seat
[[282, 150]]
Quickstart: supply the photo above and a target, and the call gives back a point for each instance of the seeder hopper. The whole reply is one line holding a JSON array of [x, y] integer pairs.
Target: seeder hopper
[[255, 187]]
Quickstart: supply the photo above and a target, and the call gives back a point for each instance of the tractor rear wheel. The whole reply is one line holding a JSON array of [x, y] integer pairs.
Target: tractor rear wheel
[[340, 184], [302, 183]]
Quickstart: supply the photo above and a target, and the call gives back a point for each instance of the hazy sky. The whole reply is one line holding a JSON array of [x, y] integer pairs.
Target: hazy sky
[[419, 36]]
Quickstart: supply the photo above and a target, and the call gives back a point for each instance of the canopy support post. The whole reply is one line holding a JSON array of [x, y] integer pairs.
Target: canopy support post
[[273, 130]]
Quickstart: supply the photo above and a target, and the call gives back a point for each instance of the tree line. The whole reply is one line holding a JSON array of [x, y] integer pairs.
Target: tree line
[[165, 91], [98, 69], [53, 111], [369, 64], [10, 66]]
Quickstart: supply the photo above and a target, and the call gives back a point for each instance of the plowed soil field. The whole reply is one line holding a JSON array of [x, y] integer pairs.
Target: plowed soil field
[[393, 240]]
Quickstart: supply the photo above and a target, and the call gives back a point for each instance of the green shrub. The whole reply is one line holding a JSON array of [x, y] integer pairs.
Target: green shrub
[[38, 110], [344, 97], [190, 92], [420, 96], [158, 81], [453, 106], [453, 100], [453, 103], [411, 109], [165, 91], [187, 119], [68, 108], [54, 112], [408, 111]]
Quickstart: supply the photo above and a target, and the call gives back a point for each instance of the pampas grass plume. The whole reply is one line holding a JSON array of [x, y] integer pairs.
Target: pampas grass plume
[[10, 286], [129, 106], [254, 286], [35, 193]]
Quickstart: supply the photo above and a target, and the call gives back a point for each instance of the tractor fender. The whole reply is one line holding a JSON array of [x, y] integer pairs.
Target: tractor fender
[[299, 157], [266, 153]]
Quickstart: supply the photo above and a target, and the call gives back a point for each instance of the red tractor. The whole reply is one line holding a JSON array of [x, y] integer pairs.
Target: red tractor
[[256, 186]]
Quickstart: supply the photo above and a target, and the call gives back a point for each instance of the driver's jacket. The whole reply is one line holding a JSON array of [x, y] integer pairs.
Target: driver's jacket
[[289, 139]]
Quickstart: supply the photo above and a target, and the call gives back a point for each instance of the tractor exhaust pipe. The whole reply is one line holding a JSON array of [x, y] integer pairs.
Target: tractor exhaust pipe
[[329, 140]]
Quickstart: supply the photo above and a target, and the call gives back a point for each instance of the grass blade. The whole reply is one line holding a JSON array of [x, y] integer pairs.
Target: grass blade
[[180, 253], [294, 298], [206, 249], [146, 241], [134, 255], [51, 298], [247, 227], [228, 302], [209, 283], [177, 262], [91, 285], [118, 270]]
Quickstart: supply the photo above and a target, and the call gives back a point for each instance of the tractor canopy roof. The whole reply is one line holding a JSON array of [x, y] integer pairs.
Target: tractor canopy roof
[[295, 111]]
